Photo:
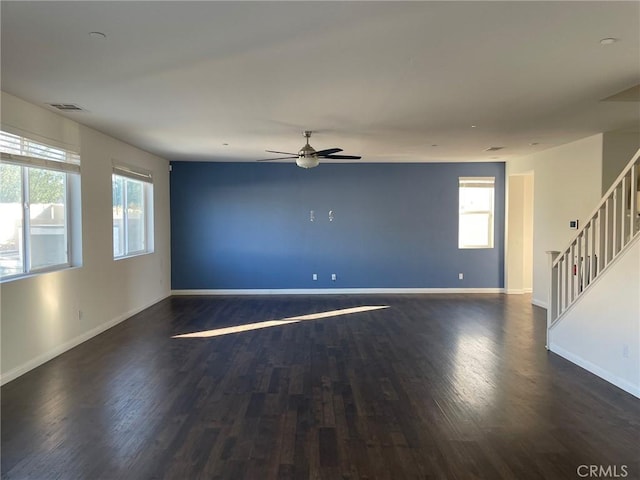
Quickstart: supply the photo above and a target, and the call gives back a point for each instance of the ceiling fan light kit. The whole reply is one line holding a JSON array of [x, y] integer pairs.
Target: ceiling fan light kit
[[308, 157], [307, 161]]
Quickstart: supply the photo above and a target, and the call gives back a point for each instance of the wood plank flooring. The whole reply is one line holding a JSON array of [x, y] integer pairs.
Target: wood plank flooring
[[432, 387]]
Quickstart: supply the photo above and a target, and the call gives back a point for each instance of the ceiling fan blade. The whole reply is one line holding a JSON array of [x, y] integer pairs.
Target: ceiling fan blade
[[343, 157], [277, 158], [328, 151], [284, 153]]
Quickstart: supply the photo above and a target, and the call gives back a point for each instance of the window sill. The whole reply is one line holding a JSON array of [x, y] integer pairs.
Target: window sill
[[132, 255], [44, 271]]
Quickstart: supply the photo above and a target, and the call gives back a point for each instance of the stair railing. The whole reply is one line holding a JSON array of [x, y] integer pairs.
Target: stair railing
[[612, 226]]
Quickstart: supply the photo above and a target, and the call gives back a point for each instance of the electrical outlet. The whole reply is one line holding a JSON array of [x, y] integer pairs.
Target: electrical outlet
[[314, 276], [625, 351], [80, 314], [333, 277], [461, 276], [312, 216]]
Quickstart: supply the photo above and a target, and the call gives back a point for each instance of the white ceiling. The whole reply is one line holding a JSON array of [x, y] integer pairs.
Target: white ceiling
[[385, 80]]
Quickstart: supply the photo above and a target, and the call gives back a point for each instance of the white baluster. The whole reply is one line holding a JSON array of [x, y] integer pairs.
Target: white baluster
[[552, 299]]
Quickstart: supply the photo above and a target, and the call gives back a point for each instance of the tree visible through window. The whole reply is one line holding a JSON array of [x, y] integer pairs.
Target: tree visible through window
[[47, 218], [34, 205], [11, 211], [476, 211]]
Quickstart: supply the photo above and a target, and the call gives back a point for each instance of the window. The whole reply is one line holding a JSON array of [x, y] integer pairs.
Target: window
[[132, 212], [39, 204], [476, 202]]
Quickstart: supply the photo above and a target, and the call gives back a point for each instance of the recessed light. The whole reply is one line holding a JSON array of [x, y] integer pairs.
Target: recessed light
[[533, 144], [609, 41], [98, 35], [434, 145], [474, 126], [225, 144]]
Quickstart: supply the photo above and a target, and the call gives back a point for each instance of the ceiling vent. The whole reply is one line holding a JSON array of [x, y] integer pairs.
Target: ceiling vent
[[66, 107], [493, 149]]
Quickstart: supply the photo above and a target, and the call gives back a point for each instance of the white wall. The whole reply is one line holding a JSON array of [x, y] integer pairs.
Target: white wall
[[519, 252], [566, 186], [40, 314], [601, 332], [617, 150]]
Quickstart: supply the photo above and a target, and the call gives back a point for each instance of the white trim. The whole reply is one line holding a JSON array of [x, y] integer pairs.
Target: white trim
[[515, 291], [331, 291], [539, 303], [600, 372], [83, 337]]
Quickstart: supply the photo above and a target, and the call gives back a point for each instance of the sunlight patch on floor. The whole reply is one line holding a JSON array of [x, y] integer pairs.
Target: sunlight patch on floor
[[276, 323]]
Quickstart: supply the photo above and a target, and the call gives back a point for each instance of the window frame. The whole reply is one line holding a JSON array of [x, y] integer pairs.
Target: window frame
[[36, 155], [145, 178], [477, 182]]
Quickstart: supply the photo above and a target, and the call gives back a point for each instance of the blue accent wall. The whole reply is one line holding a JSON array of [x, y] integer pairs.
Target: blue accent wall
[[246, 226]]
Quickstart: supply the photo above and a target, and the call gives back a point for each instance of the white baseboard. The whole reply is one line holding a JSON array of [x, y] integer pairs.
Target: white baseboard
[[596, 370], [518, 291], [331, 291], [60, 349]]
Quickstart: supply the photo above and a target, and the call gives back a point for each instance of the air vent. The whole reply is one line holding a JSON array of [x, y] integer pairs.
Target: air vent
[[66, 107], [493, 149]]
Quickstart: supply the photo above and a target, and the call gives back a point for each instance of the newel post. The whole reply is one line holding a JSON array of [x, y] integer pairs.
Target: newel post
[[552, 297]]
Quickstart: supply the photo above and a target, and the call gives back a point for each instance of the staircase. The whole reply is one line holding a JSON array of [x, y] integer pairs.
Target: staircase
[[593, 314], [611, 229]]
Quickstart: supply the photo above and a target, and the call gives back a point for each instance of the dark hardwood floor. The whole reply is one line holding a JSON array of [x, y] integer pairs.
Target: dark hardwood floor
[[432, 387]]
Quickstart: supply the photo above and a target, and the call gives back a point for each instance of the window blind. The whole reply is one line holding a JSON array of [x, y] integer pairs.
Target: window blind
[[135, 173], [477, 182], [22, 151]]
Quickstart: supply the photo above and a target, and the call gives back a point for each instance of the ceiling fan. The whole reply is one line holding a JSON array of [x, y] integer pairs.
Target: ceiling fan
[[308, 157]]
